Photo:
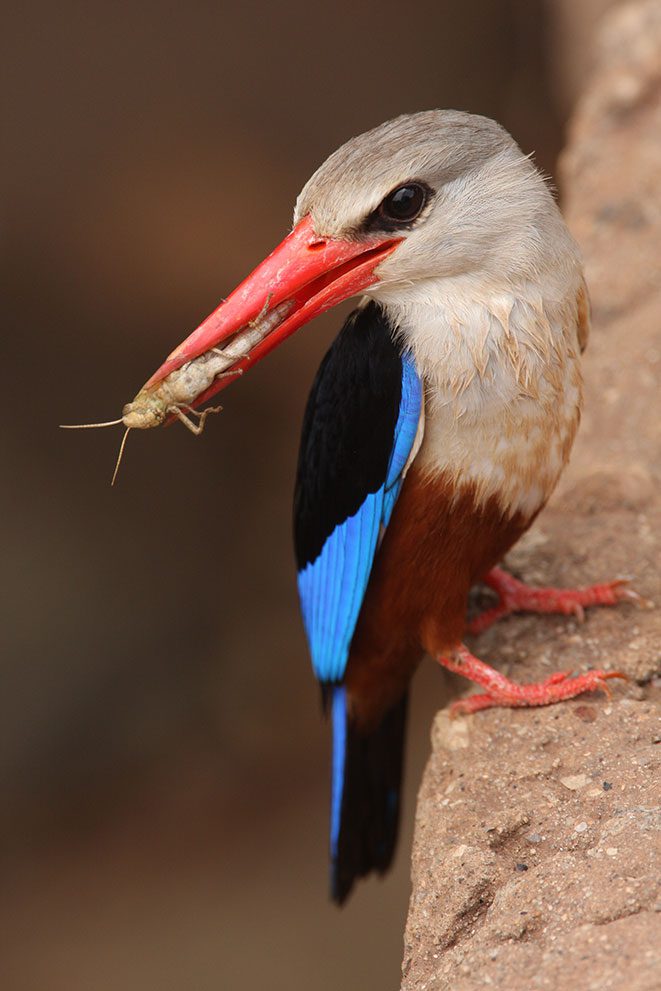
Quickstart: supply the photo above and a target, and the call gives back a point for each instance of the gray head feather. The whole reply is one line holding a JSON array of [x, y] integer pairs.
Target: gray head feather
[[438, 146], [491, 213]]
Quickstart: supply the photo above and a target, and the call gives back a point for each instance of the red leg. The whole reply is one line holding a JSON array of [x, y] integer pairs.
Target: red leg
[[503, 692], [515, 596]]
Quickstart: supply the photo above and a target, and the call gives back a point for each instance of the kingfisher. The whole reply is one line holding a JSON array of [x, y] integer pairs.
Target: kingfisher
[[437, 427]]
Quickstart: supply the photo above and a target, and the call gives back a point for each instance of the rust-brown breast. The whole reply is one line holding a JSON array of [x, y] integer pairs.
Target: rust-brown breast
[[438, 543]]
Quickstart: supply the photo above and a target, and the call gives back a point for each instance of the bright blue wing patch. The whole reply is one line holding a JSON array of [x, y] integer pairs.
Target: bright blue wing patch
[[332, 587]]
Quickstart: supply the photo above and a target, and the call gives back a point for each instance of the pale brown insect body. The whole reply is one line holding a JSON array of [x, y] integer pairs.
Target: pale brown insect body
[[180, 389], [176, 394]]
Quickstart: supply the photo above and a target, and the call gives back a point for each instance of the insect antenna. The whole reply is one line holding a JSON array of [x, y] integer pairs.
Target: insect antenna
[[120, 455], [90, 426]]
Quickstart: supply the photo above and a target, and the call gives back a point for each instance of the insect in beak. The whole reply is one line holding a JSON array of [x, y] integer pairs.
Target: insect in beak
[[304, 276]]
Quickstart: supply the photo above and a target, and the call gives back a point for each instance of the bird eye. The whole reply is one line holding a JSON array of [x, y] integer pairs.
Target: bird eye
[[404, 204]]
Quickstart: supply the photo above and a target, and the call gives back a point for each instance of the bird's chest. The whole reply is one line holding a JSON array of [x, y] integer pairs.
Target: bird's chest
[[503, 435]]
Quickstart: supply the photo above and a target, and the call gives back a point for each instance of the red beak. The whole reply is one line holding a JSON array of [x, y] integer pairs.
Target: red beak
[[310, 273]]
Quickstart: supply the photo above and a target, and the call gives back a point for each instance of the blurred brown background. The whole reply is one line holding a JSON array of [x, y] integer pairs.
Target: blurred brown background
[[164, 766]]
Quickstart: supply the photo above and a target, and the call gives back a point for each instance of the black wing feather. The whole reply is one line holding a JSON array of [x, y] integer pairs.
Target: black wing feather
[[348, 429]]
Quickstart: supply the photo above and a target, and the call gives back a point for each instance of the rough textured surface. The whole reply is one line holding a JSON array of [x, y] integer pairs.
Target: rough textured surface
[[532, 858], [536, 856]]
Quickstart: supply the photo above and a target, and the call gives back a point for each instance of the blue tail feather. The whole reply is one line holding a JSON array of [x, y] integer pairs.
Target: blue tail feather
[[366, 786]]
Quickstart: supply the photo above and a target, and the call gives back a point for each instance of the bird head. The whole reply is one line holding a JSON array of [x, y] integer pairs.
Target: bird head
[[395, 213], [453, 188]]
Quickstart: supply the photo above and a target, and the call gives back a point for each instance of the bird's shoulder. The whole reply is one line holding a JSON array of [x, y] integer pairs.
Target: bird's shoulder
[[348, 428]]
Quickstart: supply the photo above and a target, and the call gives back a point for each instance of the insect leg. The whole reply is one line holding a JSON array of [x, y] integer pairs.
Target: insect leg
[[233, 371], [262, 313], [195, 428]]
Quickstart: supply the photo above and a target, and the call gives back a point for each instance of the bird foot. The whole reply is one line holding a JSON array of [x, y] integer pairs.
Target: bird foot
[[516, 596], [503, 692]]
